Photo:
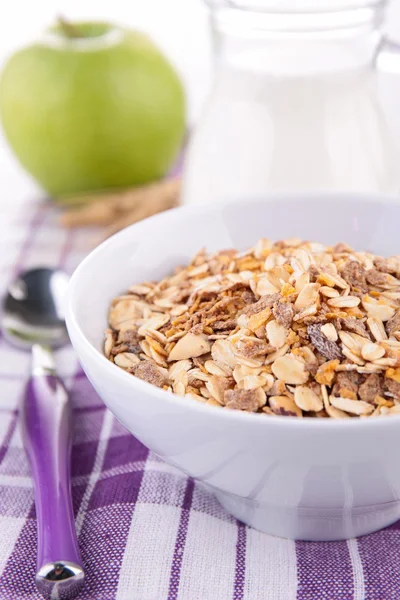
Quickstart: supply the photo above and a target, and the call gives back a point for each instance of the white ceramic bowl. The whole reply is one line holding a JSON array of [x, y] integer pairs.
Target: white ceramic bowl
[[312, 479]]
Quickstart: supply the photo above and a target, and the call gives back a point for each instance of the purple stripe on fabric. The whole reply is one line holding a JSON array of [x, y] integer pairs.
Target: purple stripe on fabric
[[380, 559], [18, 578], [121, 449], [87, 409], [324, 571], [103, 541], [240, 565], [105, 531], [118, 489], [180, 541]]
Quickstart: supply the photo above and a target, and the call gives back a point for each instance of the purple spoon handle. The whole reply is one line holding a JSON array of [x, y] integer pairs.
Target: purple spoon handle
[[46, 429]]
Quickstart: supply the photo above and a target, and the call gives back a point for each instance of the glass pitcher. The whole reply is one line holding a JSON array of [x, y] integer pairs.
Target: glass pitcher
[[297, 102]]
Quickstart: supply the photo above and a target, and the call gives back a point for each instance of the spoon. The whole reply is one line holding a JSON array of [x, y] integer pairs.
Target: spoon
[[33, 318]]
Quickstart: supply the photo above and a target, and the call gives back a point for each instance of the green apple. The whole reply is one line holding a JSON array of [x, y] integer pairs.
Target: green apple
[[92, 106]]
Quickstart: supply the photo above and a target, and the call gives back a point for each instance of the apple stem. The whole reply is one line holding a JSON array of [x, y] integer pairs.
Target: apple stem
[[69, 30]]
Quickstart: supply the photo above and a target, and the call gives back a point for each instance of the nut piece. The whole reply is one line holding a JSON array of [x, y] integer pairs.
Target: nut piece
[[189, 346], [290, 370], [283, 405], [307, 399]]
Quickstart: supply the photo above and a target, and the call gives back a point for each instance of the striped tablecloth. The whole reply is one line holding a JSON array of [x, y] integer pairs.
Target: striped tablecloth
[[146, 531]]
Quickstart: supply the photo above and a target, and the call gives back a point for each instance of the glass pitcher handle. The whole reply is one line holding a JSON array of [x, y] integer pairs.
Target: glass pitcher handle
[[387, 59]]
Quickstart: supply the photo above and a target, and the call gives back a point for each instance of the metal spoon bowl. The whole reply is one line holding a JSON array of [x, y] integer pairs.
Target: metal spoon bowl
[[33, 318], [34, 309]]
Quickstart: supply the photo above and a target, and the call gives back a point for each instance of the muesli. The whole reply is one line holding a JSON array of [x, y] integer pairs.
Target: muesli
[[287, 328]]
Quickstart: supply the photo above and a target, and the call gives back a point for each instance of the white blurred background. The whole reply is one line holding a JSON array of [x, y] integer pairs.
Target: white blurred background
[[180, 27]]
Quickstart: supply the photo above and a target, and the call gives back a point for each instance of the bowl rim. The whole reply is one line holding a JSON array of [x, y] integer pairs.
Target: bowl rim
[[180, 401]]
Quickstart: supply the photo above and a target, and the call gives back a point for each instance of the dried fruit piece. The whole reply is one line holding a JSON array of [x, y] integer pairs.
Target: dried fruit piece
[[330, 350], [393, 374], [326, 372], [259, 319]]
